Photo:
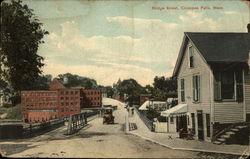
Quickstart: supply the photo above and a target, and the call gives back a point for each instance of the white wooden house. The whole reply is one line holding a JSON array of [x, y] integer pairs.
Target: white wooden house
[[213, 82]]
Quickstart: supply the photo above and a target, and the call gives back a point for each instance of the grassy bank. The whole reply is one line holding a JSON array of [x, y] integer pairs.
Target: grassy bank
[[12, 112]]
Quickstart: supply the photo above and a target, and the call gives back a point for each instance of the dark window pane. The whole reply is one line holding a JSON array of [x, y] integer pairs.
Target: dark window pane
[[239, 86], [217, 86], [208, 124], [227, 85]]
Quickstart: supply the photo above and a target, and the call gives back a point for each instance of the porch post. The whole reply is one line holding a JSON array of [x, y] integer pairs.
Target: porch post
[[211, 84], [244, 96]]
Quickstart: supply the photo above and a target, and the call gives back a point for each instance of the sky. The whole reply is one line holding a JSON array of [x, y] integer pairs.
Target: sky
[[108, 40]]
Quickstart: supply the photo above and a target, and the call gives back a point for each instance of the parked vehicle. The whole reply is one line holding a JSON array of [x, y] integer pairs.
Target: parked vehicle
[[108, 117]]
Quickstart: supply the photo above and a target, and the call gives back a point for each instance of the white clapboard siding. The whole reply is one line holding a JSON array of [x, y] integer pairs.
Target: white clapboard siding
[[202, 69], [247, 92], [228, 112]]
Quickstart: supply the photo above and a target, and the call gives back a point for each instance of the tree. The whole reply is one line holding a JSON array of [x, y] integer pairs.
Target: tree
[[41, 83], [131, 88], [21, 34], [110, 91], [165, 84], [71, 80]]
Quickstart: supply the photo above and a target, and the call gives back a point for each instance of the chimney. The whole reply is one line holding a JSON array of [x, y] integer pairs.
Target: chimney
[[248, 27]]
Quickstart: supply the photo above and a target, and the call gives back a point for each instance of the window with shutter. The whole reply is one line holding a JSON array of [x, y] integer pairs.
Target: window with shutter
[[196, 88], [191, 56], [182, 90]]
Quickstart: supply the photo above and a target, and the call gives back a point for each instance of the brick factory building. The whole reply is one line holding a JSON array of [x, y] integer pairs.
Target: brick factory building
[[58, 102], [93, 98]]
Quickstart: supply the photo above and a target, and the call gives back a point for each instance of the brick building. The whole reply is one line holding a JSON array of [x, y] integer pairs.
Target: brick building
[[58, 102], [92, 98]]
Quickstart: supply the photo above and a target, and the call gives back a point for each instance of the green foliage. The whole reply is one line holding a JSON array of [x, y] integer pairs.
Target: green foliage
[[108, 89], [165, 84], [21, 34], [76, 81], [41, 83], [152, 113], [162, 86], [131, 88], [15, 112]]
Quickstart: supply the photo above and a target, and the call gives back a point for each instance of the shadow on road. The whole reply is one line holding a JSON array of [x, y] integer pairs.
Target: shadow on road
[[9, 149]]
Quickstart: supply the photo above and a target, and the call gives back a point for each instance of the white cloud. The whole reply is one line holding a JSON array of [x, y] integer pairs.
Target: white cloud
[[103, 75], [152, 53]]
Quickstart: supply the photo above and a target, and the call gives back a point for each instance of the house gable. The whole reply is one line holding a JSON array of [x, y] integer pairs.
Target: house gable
[[200, 68]]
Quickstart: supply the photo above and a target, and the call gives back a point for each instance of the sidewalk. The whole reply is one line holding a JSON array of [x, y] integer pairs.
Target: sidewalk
[[182, 144]]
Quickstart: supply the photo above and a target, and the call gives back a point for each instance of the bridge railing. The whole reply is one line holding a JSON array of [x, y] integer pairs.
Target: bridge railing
[[32, 129]]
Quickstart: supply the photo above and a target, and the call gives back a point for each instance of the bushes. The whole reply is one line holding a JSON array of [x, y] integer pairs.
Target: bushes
[[152, 113], [15, 112]]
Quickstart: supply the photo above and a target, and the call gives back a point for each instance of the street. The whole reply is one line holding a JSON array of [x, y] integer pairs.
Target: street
[[95, 140]]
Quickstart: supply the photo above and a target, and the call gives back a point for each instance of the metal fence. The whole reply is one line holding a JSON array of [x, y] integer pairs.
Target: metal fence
[[146, 121], [78, 121], [89, 114], [32, 129]]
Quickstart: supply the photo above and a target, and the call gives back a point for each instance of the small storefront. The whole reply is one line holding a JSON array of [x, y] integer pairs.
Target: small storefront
[[176, 118]]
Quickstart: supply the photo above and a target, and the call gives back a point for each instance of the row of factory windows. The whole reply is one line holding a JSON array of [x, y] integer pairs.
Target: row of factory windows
[[94, 98], [53, 104], [70, 103], [71, 98], [61, 92], [49, 99], [42, 110], [39, 99], [69, 92], [39, 94], [92, 93], [95, 103], [41, 104], [70, 110]]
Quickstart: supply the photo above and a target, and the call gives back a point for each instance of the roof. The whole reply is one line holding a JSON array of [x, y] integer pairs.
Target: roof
[[148, 103], [179, 109], [217, 47], [112, 102], [56, 84]]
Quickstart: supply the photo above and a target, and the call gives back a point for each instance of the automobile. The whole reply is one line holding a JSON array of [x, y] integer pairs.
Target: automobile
[[108, 117]]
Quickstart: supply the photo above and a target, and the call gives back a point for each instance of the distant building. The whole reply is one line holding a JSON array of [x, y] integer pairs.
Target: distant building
[[92, 98], [58, 102], [156, 105]]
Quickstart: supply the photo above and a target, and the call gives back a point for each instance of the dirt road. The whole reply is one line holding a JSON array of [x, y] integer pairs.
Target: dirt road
[[95, 140]]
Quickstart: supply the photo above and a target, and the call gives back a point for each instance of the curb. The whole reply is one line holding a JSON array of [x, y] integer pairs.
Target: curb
[[186, 149]]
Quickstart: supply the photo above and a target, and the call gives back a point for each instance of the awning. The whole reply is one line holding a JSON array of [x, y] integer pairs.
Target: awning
[[179, 109]]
